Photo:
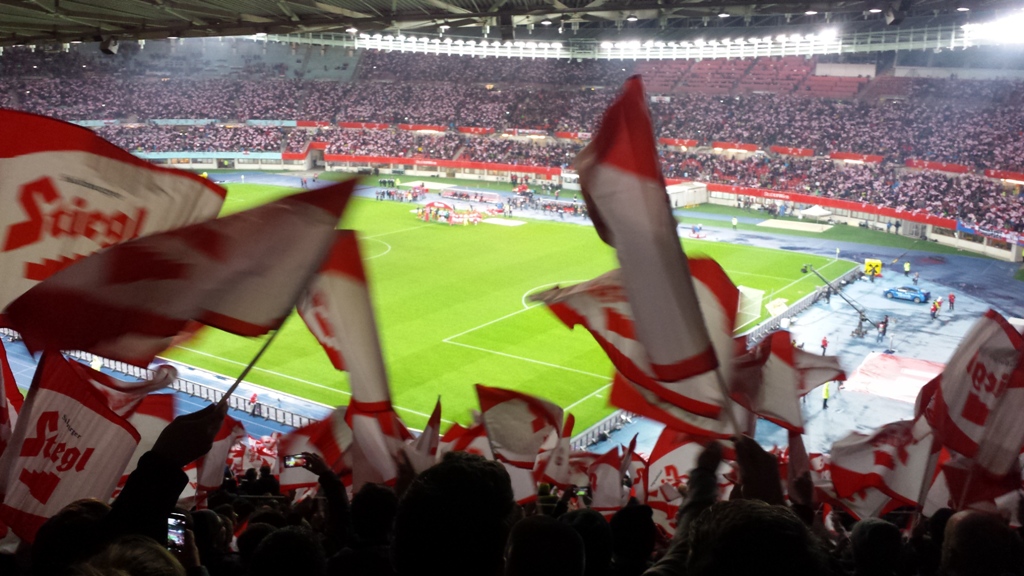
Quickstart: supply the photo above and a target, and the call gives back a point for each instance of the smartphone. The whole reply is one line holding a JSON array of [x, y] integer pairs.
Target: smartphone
[[294, 461], [176, 532]]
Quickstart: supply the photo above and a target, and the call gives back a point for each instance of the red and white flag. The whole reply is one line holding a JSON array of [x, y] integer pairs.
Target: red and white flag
[[123, 397], [517, 426], [961, 484], [149, 419], [773, 376], [895, 459], [337, 309], [608, 494], [261, 451], [377, 436], [10, 400], [621, 179], [601, 306], [673, 458], [976, 407], [553, 466], [329, 438], [241, 273], [638, 474], [472, 440], [67, 193], [634, 398], [68, 445], [210, 469], [422, 452]]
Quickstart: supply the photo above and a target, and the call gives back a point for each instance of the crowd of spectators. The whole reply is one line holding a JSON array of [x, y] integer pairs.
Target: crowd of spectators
[[394, 143], [968, 197], [982, 133], [382, 65], [521, 152], [459, 518], [209, 138]]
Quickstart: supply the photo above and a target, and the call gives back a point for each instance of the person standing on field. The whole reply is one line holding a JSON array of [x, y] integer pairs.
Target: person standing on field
[[906, 268], [824, 345], [952, 298], [824, 396]]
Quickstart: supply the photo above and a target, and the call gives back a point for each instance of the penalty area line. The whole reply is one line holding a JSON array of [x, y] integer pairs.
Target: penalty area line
[[307, 382]]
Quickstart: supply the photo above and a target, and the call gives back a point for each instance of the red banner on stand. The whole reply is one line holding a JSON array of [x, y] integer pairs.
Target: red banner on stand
[[1005, 175], [918, 216], [432, 127], [940, 166], [312, 123], [866, 158], [688, 142], [365, 125], [790, 151], [573, 135], [544, 170], [736, 146], [475, 130]]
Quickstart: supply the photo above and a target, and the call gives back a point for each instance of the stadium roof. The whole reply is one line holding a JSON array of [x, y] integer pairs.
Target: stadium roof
[[51, 21]]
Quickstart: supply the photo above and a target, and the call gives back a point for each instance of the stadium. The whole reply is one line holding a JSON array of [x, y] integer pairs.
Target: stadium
[[854, 168]]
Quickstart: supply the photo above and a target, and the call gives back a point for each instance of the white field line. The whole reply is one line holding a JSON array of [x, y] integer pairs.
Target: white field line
[[587, 397], [396, 231], [449, 339], [514, 357], [377, 255], [793, 283], [307, 382]]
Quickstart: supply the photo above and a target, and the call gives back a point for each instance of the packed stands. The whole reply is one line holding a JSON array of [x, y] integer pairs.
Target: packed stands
[[973, 124]]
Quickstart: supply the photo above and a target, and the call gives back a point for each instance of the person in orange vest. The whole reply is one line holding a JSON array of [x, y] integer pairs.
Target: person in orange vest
[[952, 298], [824, 345]]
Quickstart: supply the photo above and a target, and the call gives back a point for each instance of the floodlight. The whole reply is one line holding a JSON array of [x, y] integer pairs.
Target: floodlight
[[631, 18]]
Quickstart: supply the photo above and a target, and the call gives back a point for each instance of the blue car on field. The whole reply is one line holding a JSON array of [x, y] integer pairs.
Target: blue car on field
[[912, 293]]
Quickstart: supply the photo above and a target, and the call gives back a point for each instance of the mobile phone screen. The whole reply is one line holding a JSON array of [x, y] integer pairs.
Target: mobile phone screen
[[175, 532], [294, 461]]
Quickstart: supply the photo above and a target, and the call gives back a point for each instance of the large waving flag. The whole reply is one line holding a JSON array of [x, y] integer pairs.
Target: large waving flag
[[601, 306], [608, 494], [772, 377], [422, 452], [622, 184], [553, 466], [517, 426], [149, 419], [337, 309], [68, 445], [10, 400], [894, 459], [242, 274], [210, 468], [67, 193], [673, 458], [121, 396], [977, 404]]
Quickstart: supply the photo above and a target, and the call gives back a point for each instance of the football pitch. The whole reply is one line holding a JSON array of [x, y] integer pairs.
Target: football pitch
[[452, 310]]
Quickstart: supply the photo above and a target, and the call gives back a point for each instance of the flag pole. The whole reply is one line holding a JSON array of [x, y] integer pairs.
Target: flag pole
[[266, 344]]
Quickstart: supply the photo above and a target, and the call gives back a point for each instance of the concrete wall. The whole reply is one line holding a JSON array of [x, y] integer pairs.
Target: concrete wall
[[961, 73], [849, 70]]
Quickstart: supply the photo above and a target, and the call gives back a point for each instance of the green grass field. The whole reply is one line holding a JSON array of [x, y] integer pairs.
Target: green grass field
[[452, 311]]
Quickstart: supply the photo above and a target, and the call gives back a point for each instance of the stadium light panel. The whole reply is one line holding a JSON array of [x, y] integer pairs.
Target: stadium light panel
[[631, 18], [962, 9], [447, 40], [350, 30], [828, 35], [1002, 31], [424, 39], [723, 15], [545, 22], [606, 45], [811, 12], [556, 45], [874, 10]]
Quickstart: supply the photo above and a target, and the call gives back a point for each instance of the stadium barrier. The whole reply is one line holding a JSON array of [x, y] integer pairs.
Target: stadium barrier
[[194, 389], [600, 431], [736, 146], [938, 166], [854, 157], [789, 151], [685, 142], [759, 332]]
